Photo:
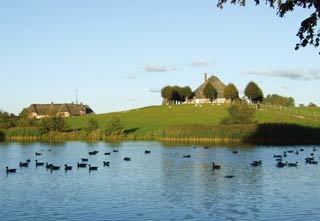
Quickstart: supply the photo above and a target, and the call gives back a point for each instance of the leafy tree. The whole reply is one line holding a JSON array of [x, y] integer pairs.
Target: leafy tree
[[209, 92], [307, 32], [55, 123], [114, 127], [7, 120], [24, 120], [185, 93], [239, 114], [92, 125], [175, 93], [231, 92], [167, 93], [253, 92], [279, 100]]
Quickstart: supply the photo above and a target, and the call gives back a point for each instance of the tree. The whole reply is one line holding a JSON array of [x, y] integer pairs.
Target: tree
[[253, 92], [209, 92], [92, 125], [307, 32], [24, 120], [7, 120], [167, 93], [55, 123], [239, 114], [279, 100], [185, 93], [114, 127], [231, 92]]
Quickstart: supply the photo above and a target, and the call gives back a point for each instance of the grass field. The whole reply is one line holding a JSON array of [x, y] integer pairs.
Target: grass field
[[152, 119]]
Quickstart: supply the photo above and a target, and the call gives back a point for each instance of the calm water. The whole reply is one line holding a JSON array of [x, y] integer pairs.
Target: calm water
[[158, 186]]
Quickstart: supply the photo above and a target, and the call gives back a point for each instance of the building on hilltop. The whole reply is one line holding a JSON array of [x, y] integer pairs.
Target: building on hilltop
[[39, 111], [218, 86]]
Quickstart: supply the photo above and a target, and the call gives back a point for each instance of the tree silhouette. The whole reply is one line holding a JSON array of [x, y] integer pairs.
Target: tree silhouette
[[307, 33]]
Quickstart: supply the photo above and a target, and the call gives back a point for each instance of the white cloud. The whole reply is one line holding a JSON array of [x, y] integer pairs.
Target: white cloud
[[159, 68], [202, 64], [293, 74]]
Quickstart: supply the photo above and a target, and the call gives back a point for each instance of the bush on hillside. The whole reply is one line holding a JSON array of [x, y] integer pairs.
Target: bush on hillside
[[239, 114], [114, 127]]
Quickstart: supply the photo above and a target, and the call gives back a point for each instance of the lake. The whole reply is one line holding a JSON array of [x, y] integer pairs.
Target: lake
[[162, 185]]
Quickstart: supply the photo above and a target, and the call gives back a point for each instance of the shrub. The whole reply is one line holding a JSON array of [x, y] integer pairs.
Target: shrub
[[114, 127], [239, 114]]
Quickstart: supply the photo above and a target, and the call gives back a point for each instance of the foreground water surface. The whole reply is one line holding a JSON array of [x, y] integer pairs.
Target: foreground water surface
[[162, 185]]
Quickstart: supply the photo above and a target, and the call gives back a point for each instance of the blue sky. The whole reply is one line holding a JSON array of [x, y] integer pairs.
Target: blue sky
[[115, 51]]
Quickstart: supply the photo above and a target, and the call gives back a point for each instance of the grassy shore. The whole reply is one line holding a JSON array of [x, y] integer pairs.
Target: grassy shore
[[192, 123]]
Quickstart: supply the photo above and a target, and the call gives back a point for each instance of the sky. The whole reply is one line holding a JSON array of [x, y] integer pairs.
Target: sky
[[117, 53]]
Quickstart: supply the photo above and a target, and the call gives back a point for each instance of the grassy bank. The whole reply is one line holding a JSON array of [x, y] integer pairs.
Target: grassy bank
[[190, 123]]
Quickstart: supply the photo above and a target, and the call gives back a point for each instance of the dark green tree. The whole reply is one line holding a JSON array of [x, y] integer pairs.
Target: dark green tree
[[239, 114], [308, 33], [253, 92], [209, 92], [7, 120], [186, 93], [114, 127], [167, 94], [231, 92], [177, 94], [55, 123]]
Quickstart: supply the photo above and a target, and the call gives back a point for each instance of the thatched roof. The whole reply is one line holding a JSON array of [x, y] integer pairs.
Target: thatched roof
[[215, 82], [53, 109]]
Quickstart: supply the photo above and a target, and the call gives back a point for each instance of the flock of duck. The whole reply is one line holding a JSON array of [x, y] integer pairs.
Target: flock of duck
[[82, 164], [279, 158]]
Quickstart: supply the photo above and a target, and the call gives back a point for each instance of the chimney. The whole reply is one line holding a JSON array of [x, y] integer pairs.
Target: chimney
[[205, 77]]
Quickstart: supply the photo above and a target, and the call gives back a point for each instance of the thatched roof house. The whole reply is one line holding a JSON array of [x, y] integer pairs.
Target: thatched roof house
[[65, 110], [215, 82]]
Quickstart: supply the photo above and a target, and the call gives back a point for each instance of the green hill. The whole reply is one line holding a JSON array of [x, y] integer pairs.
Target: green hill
[[142, 122]]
